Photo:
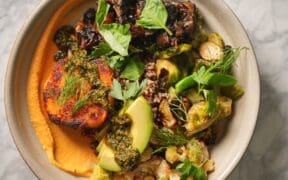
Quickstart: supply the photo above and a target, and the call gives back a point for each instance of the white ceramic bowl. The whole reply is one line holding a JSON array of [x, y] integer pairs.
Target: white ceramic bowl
[[218, 18]]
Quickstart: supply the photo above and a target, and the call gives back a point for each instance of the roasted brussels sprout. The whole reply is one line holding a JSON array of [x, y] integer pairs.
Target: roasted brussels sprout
[[198, 118], [170, 68], [174, 154], [233, 92], [216, 39], [210, 51], [197, 152]]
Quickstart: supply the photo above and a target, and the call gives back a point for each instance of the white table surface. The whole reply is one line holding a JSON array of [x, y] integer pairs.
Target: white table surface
[[266, 22]]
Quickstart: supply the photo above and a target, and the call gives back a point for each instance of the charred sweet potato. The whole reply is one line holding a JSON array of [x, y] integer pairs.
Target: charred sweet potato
[[88, 116], [105, 73]]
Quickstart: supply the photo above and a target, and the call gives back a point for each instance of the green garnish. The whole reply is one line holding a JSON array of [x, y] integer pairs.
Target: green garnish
[[81, 103], [133, 90], [187, 169], [178, 109], [118, 36], [165, 138], [72, 87], [154, 16], [134, 69], [101, 50]]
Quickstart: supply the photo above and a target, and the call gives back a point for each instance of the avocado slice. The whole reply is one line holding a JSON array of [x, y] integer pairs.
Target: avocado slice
[[171, 68], [106, 158], [141, 114]]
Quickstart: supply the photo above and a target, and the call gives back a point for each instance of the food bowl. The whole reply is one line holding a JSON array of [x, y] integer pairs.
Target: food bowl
[[218, 17]]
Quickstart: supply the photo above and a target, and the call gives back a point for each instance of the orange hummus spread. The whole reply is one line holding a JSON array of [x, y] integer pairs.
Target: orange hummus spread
[[66, 148]]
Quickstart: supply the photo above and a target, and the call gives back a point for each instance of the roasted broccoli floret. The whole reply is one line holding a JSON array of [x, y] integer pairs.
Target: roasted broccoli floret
[[62, 37]]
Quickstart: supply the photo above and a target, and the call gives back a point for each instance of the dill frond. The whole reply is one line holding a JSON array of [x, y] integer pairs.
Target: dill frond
[[71, 87]]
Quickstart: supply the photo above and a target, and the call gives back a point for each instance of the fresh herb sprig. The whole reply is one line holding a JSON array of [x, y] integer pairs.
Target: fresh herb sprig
[[132, 90], [187, 169], [72, 87], [165, 138], [178, 109], [81, 103], [154, 16]]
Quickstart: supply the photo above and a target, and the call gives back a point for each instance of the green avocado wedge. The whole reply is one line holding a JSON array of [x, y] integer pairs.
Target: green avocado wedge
[[107, 160], [141, 114]]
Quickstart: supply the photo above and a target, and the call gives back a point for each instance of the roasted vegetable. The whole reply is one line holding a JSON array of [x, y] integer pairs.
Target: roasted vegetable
[[193, 96], [197, 152], [167, 117], [172, 51], [61, 94], [171, 69], [216, 39], [199, 119], [185, 83], [174, 154], [105, 73], [210, 51], [62, 37], [233, 92], [164, 171]]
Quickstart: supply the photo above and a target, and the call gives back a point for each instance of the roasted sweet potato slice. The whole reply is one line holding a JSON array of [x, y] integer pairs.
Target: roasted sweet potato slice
[[105, 73], [88, 116]]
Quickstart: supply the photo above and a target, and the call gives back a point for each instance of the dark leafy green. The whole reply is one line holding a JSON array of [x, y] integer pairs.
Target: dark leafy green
[[102, 11], [134, 69], [187, 169], [154, 16], [205, 77], [118, 36], [115, 61], [101, 50]]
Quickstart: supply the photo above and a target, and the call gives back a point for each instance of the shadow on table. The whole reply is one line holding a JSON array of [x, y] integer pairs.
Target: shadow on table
[[266, 157]]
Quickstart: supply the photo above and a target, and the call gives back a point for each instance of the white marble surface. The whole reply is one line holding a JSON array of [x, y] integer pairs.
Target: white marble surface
[[267, 25]]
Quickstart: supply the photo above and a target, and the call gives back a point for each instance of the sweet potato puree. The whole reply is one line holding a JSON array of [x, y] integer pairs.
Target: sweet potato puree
[[66, 148]]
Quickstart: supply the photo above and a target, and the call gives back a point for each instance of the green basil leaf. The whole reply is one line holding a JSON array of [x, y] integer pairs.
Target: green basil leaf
[[118, 37], [211, 97], [116, 91], [205, 77], [134, 69], [101, 50], [131, 91], [154, 16], [102, 11], [217, 79], [114, 61]]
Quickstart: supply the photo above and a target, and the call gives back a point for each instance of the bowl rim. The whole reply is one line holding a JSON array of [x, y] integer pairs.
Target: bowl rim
[[12, 61]]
